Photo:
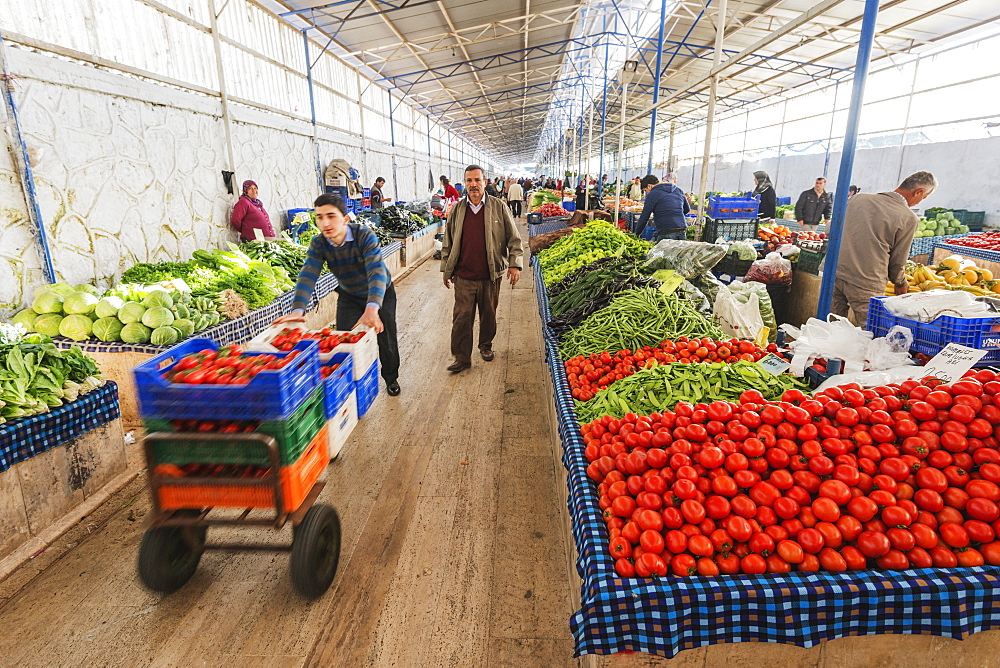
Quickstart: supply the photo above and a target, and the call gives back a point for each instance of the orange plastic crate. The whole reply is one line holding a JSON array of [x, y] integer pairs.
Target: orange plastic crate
[[296, 482]]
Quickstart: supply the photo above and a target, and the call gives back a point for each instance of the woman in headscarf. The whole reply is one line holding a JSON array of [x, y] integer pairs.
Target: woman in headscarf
[[249, 214], [768, 198]]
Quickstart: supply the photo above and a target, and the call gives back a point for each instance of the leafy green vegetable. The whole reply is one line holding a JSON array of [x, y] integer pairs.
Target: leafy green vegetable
[[36, 376]]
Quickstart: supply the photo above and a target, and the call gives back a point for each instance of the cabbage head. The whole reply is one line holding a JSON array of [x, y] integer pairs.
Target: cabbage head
[[163, 336], [158, 316], [47, 302], [184, 326], [77, 327], [158, 298], [61, 289], [27, 318], [87, 287], [108, 329], [135, 333], [131, 312], [81, 303], [108, 307], [48, 324]]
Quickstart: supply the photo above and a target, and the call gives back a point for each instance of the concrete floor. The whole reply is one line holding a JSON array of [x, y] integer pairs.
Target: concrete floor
[[456, 546]]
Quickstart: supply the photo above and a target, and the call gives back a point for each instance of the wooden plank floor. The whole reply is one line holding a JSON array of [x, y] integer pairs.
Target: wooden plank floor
[[456, 546]]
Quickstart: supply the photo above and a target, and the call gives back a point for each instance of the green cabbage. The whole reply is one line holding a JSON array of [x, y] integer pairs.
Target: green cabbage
[[108, 307], [108, 329], [27, 318], [47, 302], [82, 303], [158, 298], [135, 333], [184, 326], [86, 287], [76, 327], [158, 316], [48, 324], [164, 336], [61, 289], [131, 312]]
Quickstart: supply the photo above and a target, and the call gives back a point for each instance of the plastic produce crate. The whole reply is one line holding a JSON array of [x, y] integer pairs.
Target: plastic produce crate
[[569, 206], [817, 378], [296, 482], [732, 265], [930, 337], [782, 201], [270, 395], [737, 231], [292, 435], [367, 389], [730, 208], [341, 424], [974, 220], [534, 219], [338, 384], [810, 262], [367, 192]]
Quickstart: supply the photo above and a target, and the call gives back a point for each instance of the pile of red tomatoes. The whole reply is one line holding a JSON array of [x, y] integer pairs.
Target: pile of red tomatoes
[[896, 477]]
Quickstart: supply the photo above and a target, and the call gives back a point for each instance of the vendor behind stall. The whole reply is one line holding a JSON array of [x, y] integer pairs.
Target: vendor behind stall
[[249, 214], [668, 205], [765, 190]]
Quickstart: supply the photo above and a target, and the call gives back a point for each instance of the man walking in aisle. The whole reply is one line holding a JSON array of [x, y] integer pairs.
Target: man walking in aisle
[[365, 294], [515, 196], [480, 244], [878, 231], [814, 205]]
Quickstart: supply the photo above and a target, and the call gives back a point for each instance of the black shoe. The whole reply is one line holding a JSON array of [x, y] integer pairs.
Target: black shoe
[[487, 355], [392, 389], [457, 366]]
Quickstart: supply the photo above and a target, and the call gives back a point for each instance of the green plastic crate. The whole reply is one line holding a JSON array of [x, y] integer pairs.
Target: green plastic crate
[[810, 262], [293, 436]]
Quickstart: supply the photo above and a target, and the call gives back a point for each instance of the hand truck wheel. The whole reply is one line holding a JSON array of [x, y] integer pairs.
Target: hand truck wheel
[[169, 556], [316, 551]]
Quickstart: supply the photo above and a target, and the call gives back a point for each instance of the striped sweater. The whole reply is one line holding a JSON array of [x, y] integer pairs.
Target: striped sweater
[[357, 265]]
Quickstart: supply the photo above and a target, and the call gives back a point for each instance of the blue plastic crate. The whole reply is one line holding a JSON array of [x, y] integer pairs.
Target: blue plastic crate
[[367, 389], [366, 192], [733, 208], [569, 206], [978, 253], [339, 384], [782, 201], [270, 395], [294, 212], [930, 337], [649, 233]]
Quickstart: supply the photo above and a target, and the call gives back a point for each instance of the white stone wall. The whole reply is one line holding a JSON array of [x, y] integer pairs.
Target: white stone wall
[[130, 171]]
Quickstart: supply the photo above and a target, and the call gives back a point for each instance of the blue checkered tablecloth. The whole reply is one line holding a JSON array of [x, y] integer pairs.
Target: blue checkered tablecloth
[[26, 437], [669, 615], [227, 332]]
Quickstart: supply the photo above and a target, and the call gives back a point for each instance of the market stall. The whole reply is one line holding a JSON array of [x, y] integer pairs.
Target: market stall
[[811, 596]]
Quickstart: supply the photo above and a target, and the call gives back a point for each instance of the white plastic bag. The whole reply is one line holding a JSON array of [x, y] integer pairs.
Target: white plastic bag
[[926, 306], [890, 351], [741, 320], [835, 338], [788, 250], [772, 270]]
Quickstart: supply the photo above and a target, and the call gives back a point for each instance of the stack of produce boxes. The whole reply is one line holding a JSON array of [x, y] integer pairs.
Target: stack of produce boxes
[[348, 367], [216, 403]]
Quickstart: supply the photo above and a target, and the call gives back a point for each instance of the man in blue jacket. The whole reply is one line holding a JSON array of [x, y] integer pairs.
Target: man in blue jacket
[[667, 204]]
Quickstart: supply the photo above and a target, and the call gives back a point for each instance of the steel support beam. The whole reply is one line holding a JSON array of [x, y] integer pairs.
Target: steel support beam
[[720, 32], [836, 230], [656, 83]]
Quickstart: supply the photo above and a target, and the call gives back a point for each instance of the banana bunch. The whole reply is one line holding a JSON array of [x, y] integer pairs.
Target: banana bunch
[[954, 273]]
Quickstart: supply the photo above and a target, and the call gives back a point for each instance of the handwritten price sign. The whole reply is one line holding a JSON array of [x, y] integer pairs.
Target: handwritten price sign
[[952, 362]]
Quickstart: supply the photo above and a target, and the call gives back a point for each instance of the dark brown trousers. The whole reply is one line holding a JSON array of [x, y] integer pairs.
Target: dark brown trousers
[[469, 296]]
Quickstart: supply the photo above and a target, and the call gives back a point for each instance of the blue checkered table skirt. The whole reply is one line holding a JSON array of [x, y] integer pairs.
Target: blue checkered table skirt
[[672, 614], [543, 228], [227, 332], [26, 437]]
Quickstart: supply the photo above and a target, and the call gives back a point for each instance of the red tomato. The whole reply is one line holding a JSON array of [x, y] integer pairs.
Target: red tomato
[[873, 544]]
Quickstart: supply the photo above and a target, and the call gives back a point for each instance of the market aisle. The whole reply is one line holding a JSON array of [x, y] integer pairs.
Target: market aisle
[[454, 551]]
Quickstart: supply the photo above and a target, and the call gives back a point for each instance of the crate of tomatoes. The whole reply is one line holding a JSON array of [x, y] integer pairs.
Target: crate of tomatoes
[[360, 343], [198, 379]]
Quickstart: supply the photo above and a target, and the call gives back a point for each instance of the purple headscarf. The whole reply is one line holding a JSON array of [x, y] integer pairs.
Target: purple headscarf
[[256, 202]]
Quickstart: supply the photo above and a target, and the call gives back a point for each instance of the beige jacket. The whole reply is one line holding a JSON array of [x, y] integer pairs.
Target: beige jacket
[[878, 231], [503, 242], [515, 193]]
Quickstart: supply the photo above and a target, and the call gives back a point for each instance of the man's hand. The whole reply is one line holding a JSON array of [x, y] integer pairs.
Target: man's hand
[[295, 316], [902, 289], [370, 319], [513, 275], [447, 283]]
